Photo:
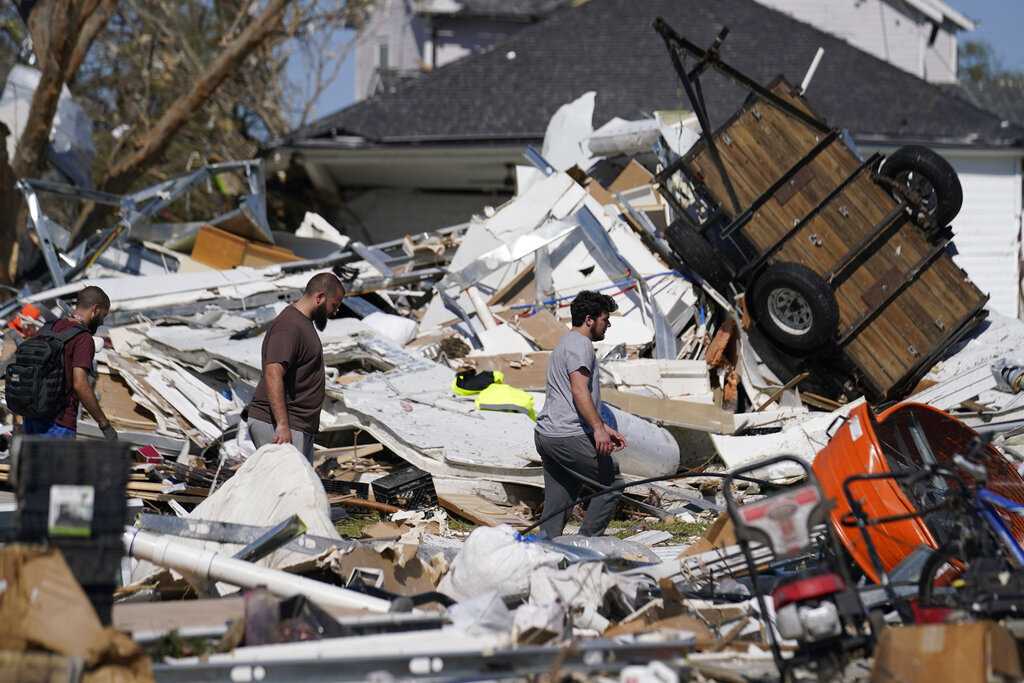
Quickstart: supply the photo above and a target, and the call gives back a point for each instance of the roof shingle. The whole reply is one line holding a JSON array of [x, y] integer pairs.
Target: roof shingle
[[609, 46]]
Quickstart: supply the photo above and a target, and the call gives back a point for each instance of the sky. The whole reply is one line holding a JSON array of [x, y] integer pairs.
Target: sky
[[1000, 23], [340, 93]]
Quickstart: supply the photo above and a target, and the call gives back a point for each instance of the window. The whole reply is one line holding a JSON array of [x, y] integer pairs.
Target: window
[[382, 56]]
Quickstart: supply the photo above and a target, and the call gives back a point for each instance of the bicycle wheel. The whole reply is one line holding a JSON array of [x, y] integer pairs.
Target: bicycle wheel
[[945, 556]]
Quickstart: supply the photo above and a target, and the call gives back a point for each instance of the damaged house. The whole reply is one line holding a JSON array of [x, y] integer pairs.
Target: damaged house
[[438, 147]]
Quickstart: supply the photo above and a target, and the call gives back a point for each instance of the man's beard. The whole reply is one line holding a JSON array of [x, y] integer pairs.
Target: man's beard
[[94, 326], [320, 317]]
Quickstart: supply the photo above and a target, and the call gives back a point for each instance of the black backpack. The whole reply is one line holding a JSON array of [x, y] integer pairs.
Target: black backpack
[[35, 379]]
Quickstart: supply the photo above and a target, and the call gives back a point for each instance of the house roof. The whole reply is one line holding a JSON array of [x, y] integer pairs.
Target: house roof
[[510, 91], [513, 9], [1003, 95]]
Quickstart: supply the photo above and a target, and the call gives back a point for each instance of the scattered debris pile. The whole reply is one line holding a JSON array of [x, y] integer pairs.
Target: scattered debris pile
[[784, 512]]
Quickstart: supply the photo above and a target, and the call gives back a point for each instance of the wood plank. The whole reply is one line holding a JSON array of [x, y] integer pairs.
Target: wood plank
[[543, 328], [699, 416], [357, 451], [531, 374], [481, 511], [516, 290]]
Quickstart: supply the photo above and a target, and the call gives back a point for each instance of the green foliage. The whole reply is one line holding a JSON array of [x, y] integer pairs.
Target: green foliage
[[977, 61], [682, 532]]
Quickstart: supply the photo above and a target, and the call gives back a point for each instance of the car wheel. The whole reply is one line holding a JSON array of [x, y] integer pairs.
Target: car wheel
[[795, 307], [930, 176], [696, 252]]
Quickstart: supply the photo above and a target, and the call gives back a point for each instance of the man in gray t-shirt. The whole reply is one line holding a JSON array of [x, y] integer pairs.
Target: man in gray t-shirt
[[574, 443]]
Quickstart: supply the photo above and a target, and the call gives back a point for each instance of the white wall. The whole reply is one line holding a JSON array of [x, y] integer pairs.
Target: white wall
[[987, 231], [460, 37], [391, 23], [878, 28], [407, 35]]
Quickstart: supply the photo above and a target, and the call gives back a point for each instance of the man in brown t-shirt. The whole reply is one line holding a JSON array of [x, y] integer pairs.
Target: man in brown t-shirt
[[91, 308], [287, 402]]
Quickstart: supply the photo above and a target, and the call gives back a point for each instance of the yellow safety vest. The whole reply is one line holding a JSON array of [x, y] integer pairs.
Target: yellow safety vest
[[506, 398]]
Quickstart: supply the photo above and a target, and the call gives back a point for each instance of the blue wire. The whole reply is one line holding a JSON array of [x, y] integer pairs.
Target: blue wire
[[613, 285]]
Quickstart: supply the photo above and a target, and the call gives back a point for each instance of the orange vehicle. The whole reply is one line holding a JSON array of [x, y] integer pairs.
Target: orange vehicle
[[904, 437]]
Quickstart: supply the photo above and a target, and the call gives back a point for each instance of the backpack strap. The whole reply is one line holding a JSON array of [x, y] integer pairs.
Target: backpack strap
[[69, 334], [46, 330]]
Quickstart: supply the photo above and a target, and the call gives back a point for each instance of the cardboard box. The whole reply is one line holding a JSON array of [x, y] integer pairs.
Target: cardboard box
[[976, 652], [38, 667], [43, 607]]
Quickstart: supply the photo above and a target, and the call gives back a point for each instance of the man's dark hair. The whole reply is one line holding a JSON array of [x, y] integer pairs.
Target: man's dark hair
[[592, 304], [92, 296], [328, 283]]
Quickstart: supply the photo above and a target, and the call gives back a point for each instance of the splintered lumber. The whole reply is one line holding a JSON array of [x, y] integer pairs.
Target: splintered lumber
[[480, 510], [352, 501], [721, 351], [700, 416]]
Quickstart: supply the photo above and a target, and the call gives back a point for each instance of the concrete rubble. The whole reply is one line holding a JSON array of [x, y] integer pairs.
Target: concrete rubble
[[406, 551]]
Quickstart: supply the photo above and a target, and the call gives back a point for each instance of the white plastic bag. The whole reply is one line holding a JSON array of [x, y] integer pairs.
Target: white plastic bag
[[495, 559]]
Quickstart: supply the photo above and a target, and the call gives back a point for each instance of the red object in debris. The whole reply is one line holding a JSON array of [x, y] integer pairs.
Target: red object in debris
[[18, 321], [150, 454], [807, 589], [929, 615], [906, 436]]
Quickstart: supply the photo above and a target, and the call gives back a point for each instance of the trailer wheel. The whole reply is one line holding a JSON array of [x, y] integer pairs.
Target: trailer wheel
[[696, 252], [929, 175], [795, 307]]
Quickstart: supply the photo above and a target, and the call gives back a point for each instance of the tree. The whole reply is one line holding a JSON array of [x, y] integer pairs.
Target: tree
[[56, 28], [990, 85], [977, 61], [174, 84]]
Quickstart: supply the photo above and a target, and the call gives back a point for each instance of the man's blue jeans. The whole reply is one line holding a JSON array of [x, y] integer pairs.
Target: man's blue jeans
[[48, 428]]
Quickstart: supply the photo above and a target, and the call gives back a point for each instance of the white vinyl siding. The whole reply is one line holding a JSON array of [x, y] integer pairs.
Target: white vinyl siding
[[987, 231], [878, 28]]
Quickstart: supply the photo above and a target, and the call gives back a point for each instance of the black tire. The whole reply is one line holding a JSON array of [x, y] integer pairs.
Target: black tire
[[794, 307], [929, 174], [926, 583], [698, 255]]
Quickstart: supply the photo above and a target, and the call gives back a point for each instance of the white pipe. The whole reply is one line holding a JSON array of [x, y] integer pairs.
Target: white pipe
[[173, 554], [482, 311], [432, 644], [811, 69]]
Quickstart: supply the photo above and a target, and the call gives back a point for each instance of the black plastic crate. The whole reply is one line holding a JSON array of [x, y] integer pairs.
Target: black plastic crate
[[102, 599], [70, 488], [409, 488], [93, 561], [41, 462]]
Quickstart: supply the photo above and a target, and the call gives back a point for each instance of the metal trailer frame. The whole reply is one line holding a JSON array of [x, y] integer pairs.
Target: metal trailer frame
[[134, 208], [740, 258]]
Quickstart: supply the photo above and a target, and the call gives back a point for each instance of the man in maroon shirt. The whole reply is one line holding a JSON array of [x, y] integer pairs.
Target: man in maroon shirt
[[286, 405], [92, 306]]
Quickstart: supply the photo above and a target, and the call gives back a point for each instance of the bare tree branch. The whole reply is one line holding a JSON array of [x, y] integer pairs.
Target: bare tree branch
[[52, 25], [91, 27]]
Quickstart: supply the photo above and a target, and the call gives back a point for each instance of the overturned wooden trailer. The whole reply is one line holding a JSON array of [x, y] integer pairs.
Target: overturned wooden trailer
[[844, 262]]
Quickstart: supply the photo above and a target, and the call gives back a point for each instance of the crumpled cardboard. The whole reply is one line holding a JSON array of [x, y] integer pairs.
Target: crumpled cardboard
[[43, 607], [966, 653], [402, 573]]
